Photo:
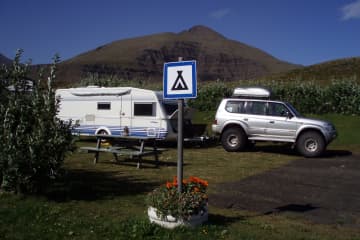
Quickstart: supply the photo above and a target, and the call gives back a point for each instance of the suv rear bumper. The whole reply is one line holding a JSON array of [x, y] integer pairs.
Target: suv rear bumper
[[216, 129]]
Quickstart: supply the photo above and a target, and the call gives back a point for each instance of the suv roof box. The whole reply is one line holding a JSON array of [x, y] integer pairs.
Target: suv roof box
[[251, 92]]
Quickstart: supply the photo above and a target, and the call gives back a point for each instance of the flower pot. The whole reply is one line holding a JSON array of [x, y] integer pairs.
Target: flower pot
[[171, 222]]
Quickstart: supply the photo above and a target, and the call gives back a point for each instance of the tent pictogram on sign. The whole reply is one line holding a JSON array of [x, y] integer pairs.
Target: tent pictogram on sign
[[179, 83]]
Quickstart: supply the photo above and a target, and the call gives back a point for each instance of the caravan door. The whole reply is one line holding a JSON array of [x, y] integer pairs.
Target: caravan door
[[125, 114]]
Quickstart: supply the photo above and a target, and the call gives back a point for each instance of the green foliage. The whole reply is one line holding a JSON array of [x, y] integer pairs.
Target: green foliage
[[341, 96], [306, 97], [94, 79], [33, 141], [209, 96], [344, 97]]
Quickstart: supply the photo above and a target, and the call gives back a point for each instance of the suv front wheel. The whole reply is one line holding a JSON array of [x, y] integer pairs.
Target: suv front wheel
[[310, 144], [233, 139]]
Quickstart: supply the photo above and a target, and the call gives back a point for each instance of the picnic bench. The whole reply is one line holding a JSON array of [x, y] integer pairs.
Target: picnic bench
[[129, 146]]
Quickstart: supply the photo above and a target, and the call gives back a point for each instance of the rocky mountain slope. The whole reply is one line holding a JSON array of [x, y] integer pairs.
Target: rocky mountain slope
[[142, 58]]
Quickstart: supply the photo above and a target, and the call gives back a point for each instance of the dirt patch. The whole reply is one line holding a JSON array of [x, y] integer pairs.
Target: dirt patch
[[323, 190]]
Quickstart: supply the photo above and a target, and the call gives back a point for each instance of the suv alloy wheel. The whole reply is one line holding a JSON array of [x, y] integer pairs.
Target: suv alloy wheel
[[233, 139]]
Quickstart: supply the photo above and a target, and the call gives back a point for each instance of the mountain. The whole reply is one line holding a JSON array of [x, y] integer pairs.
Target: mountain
[[4, 60], [142, 58], [338, 69]]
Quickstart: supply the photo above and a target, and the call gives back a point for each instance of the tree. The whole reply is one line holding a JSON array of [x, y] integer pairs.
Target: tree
[[34, 142]]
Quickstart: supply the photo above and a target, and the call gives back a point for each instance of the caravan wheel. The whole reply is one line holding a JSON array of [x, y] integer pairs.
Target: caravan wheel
[[103, 132]]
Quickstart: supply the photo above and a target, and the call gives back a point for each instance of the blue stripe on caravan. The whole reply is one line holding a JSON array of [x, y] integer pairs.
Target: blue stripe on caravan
[[89, 130]]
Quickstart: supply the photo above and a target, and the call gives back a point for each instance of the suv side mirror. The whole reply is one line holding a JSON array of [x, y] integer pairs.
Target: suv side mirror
[[289, 115]]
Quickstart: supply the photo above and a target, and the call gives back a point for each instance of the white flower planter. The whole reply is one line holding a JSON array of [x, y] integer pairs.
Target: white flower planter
[[170, 222]]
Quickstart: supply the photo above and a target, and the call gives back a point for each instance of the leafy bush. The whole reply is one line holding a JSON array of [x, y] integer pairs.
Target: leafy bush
[[33, 141], [209, 96], [115, 81], [344, 97], [306, 97], [341, 97]]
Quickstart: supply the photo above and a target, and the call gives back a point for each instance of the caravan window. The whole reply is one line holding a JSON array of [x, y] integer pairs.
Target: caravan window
[[103, 106], [144, 109]]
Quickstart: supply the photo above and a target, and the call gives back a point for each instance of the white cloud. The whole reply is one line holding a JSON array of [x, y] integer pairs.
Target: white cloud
[[220, 13], [351, 10]]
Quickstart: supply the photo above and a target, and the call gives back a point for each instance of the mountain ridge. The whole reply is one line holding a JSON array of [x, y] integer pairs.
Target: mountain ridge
[[218, 58], [4, 60], [143, 57]]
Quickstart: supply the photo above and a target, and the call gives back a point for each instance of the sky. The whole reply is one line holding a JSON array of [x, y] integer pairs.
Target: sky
[[298, 31]]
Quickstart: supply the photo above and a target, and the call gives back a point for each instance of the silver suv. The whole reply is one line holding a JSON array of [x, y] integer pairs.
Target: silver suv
[[250, 116]]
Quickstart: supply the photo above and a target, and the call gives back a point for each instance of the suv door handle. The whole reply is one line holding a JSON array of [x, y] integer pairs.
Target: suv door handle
[[245, 119], [272, 122]]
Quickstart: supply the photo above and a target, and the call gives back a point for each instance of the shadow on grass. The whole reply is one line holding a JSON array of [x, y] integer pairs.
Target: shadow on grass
[[286, 149], [95, 185], [221, 220], [299, 208], [274, 148], [145, 163], [336, 153]]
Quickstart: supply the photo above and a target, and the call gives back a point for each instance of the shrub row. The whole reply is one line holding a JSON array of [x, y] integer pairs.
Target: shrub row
[[341, 97]]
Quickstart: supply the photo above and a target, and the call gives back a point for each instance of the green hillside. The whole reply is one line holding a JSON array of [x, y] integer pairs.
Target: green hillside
[[323, 73]]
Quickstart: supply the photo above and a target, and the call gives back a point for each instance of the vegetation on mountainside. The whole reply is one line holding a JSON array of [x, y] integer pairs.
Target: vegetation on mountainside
[[322, 73]]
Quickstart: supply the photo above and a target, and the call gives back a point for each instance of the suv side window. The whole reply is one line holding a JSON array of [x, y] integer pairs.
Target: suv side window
[[277, 109], [257, 108], [235, 106]]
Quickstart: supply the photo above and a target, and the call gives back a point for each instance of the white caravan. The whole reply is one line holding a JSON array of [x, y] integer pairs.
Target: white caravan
[[120, 111]]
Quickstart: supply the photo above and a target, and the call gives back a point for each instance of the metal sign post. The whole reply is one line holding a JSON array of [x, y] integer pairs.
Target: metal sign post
[[180, 144], [180, 138], [180, 83]]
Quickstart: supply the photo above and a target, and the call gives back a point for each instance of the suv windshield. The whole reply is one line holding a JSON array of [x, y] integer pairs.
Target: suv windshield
[[293, 110]]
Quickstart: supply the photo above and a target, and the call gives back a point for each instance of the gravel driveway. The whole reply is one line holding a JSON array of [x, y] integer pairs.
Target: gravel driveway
[[323, 190]]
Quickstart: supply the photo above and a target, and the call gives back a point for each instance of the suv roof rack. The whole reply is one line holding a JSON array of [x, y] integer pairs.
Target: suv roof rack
[[251, 92]]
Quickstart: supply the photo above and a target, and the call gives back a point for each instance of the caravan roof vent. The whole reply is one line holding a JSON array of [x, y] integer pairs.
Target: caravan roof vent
[[251, 92]]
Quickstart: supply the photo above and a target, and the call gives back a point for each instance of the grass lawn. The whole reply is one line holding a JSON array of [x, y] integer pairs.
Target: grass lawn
[[106, 201]]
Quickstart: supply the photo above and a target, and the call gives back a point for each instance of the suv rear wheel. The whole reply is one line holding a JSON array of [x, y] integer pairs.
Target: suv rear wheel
[[311, 144], [233, 140]]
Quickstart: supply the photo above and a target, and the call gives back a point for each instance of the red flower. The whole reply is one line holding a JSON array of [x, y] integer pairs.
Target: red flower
[[169, 185], [198, 180]]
